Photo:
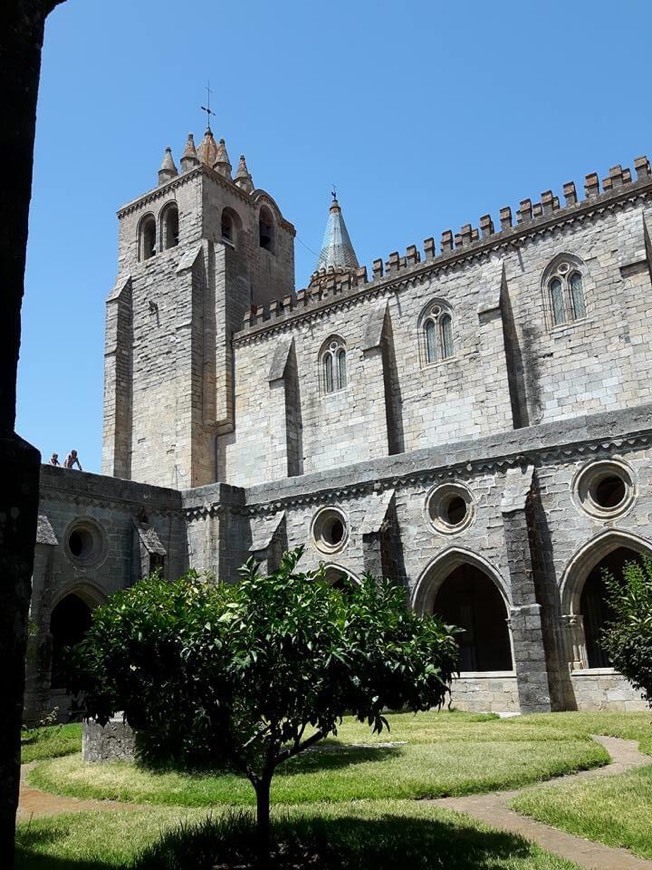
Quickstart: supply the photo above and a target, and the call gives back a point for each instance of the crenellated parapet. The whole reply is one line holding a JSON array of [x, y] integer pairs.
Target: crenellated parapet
[[530, 218]]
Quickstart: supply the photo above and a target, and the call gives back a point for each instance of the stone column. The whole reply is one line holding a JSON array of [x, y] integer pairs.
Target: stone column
[[525, 613], [574, 641]]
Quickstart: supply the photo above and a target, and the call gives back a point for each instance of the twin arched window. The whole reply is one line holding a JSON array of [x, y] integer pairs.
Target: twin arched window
[[333, 365], [566, 293], [437, 335], [169, 232]]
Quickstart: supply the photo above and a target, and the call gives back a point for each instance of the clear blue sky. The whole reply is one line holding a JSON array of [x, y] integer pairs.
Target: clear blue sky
[[425, 115]]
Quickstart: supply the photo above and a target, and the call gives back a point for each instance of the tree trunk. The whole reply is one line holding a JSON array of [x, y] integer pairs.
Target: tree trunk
[[21, 38], [263, 827]]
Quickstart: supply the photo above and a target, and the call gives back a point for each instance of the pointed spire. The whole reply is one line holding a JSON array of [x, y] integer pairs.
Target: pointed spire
[[168, 170], [207, 151], [189, 159], [337, 250], [222, 164], [243, 177]]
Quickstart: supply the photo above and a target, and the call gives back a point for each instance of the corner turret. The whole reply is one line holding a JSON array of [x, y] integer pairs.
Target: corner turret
[[189, 158], [222, 164], [168, 170], [243, 177]]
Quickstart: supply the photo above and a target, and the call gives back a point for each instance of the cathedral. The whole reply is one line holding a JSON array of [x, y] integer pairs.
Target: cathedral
[[471, 418]]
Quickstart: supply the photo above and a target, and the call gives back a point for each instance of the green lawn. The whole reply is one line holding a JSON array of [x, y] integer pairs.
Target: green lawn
[[356, 793], [382, 835], [616, 810], [629, 726], [51, 742], [428, 755]]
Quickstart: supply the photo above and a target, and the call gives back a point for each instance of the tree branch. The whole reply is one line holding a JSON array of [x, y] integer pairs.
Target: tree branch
[[297, 748]]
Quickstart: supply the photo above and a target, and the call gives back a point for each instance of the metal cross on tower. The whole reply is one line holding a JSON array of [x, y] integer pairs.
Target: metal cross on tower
[[207, 107]]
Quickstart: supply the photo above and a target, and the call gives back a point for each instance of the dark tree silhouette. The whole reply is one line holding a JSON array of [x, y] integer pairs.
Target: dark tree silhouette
[[22, 25]]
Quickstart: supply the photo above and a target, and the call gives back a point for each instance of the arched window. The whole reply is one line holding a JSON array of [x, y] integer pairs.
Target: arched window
[[227, 226], [468, 598], [266, 229], [70, 620], [170, 226], [230, 226], [565, 288], [437, 332], [147, 238], [333, 366]]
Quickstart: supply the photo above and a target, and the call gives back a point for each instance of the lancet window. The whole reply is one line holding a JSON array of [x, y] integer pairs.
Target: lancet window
[[437, 327], [333, 366]]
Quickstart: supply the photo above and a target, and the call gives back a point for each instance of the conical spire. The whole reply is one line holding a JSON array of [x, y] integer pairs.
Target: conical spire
[[243, 177], [207, 151], [189, 159], [168, 170], [336, 249], [222, 164]]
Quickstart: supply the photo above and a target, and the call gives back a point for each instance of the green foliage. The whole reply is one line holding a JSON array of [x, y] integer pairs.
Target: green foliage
[[628, 638], [255, 672]]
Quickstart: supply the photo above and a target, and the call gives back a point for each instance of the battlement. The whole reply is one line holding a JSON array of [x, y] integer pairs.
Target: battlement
[[530, 216]]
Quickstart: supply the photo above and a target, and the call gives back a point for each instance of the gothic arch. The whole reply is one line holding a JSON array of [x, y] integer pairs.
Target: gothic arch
[[432, 578], [463, 589], [564, 284], [92, 594], [585, 606], [562, 257], [335, 573], [590, 555], [333, 365], [69, 621]]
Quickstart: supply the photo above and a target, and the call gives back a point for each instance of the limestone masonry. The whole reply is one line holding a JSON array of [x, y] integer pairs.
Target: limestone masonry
[[473, 420]]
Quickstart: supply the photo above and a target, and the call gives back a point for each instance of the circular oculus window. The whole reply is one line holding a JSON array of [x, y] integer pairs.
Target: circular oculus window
[[85, 543], [329, 529], [450, 508], [605, 489]]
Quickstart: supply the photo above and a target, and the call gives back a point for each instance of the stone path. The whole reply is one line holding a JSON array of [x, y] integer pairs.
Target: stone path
[[492, 808]]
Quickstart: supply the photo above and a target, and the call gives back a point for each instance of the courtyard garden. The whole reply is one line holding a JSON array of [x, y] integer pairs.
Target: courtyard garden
[[355, 800]]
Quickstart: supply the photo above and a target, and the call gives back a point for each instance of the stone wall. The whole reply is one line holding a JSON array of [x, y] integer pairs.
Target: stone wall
[[108, 516]]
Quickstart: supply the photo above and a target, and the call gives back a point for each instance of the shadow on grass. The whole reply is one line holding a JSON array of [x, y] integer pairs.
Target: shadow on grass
[[329, 755], [382, 843], [31, 855], [334, 756]]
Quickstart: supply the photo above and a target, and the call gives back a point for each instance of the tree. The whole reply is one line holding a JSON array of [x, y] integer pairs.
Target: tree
[[254, 673], [21, 39], [627, 639]]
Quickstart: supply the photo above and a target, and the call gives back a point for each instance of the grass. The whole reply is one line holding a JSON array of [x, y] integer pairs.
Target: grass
[[51, 742], [381, 835], [428, 755], [629, 726], [615, 810]]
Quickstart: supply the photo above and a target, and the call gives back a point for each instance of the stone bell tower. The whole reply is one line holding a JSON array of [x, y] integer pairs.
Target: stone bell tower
[[195, 253]]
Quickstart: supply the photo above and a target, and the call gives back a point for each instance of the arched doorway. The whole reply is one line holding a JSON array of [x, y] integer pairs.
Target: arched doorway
[[70, 620], [470, 599], [594, 607]]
